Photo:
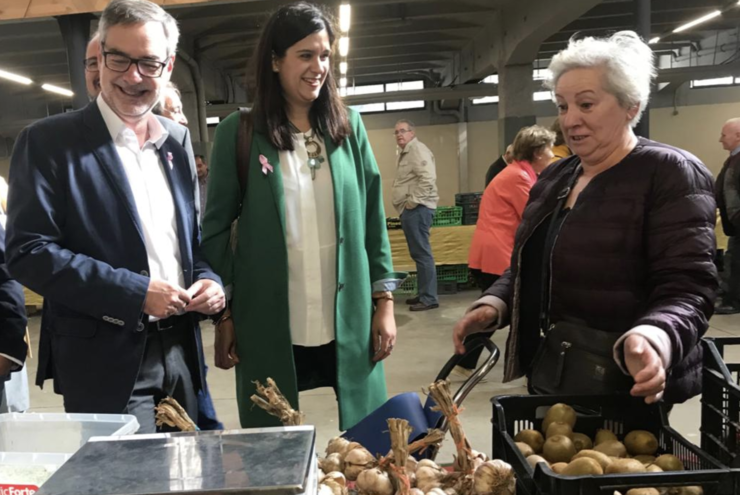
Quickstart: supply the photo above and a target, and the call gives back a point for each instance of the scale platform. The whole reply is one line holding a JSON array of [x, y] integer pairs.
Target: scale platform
[[260, 461]]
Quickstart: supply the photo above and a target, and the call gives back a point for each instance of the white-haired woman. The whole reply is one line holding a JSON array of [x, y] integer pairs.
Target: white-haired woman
[[611, 282]]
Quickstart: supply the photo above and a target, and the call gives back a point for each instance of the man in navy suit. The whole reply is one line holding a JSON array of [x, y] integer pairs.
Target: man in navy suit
[[13, 347], [102, 223]]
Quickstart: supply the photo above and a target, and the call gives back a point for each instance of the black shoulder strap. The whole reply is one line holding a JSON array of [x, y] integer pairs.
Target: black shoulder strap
[[244, 149]]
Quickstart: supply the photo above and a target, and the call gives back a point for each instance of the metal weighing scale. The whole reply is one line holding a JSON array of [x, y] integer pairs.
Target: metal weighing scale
[[260, 461]]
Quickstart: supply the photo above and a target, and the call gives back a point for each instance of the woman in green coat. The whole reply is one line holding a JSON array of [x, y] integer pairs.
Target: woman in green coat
[[311, 276]]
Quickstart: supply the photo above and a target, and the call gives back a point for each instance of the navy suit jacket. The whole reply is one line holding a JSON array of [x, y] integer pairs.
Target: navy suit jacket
[[12, 311], [74, 237]]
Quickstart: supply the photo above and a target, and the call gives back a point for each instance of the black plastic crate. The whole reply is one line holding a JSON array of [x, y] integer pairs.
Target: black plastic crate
[[462, 199], [720, 402], [620, 414], [470, 219], [446, 287]]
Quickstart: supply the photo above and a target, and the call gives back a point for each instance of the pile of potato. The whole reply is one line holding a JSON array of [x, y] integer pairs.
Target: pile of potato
[[570, 453]]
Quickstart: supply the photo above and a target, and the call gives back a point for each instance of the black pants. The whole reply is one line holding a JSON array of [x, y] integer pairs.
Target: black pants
[[166, 371], [316, 367], [483, 281]]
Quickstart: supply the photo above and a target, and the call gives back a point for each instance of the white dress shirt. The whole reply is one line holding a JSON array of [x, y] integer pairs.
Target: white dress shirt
[[152, 195], [311, 239]]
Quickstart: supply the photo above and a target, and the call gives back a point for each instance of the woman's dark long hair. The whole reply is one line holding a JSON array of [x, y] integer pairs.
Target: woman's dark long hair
[[285, 28]]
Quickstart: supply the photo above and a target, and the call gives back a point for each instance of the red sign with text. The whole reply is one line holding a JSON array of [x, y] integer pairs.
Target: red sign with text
[[18, 489]]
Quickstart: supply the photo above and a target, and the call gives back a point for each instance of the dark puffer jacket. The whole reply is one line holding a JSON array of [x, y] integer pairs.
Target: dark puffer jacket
[[636, 249]]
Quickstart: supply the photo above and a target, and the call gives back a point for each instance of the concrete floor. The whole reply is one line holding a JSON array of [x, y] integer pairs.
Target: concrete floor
[[424, 345]]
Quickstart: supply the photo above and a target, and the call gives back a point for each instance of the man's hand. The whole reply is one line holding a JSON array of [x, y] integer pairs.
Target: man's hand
[[383, 330], [646, 367], [224, 347], [164, 299], [478, 320], [5, 366], [207, 297]]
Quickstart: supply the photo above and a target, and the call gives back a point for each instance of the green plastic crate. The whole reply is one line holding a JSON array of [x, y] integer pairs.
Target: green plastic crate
[[447, 216], [408, 286], [458, 273]]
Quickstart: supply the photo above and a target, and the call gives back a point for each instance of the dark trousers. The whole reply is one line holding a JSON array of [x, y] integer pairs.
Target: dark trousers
[[316, 367], [484, 281], [416, 225], [731, 273], [166, 371], [207, 419]]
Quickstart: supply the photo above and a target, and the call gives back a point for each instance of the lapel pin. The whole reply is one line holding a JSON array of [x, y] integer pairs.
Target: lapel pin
[[266, 167]]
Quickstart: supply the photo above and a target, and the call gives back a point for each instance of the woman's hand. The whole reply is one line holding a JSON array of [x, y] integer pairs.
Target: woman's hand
[[646, 367], [478, 320], [224, 346], [383, 330]]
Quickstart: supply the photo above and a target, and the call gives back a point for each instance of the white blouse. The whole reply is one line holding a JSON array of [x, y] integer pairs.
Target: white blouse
[[311, 239]]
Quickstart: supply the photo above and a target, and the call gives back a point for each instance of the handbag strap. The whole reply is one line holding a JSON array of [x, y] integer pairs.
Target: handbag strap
[[243, 151], [550, 245]]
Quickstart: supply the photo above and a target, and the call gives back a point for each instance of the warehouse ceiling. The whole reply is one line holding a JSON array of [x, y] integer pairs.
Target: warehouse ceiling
[[391, 40]]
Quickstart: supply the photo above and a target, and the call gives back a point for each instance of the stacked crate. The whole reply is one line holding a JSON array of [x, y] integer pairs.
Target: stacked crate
[[470, 204]]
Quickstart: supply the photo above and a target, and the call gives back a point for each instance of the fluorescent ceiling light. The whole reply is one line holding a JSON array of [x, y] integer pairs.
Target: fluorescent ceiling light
[[654, 40], [15, 77], [343, 46], [213, 120], [542, 96], [342, 91], [342, 67], [56, 89], [345, 12], [342, 82], [698, 21]]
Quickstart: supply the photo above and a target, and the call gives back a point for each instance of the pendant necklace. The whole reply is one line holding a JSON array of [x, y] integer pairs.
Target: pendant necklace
[[313, 149]]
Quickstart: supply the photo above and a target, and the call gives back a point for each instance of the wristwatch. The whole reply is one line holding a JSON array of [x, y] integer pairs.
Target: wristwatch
[[377, 296]]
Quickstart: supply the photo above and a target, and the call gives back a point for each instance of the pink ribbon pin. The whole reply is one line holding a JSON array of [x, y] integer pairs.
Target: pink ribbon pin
[[169, 159], [266, 167]]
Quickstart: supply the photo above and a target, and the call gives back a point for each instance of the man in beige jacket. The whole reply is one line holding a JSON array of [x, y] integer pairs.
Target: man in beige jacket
[[415, 198]]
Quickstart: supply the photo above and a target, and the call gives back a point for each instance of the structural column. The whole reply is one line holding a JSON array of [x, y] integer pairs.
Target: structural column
[[642, 27], [515, 104], [76, 33]]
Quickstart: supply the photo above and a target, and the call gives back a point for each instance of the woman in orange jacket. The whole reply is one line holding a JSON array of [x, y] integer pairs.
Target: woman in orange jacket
[[501, 211]]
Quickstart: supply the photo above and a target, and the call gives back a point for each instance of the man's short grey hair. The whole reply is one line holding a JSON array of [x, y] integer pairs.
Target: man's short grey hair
[[628, 63], [410, 124], [127, 12]]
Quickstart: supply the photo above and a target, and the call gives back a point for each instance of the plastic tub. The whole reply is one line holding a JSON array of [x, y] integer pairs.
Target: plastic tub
[[59, 433], [23, 473]]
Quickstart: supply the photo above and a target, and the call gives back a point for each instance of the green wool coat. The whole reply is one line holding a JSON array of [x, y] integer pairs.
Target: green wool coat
[[258, 271]]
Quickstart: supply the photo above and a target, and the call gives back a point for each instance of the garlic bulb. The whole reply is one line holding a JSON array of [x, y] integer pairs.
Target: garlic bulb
[[416, 491], [494, 478], [335, 476], [411, 464], [332, 462], [450, 491], [436, 491], [428, 478], [374, 482], [356, 461], [479, 455], [337, 445], [427, 463], [336, 488], [325, 490]]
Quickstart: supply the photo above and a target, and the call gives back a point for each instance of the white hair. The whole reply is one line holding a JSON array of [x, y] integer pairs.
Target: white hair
[[628, 63], [127, 12]]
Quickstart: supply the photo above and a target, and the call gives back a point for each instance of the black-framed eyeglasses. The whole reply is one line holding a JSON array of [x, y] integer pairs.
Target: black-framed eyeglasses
[[121, 63], [91, 64]]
